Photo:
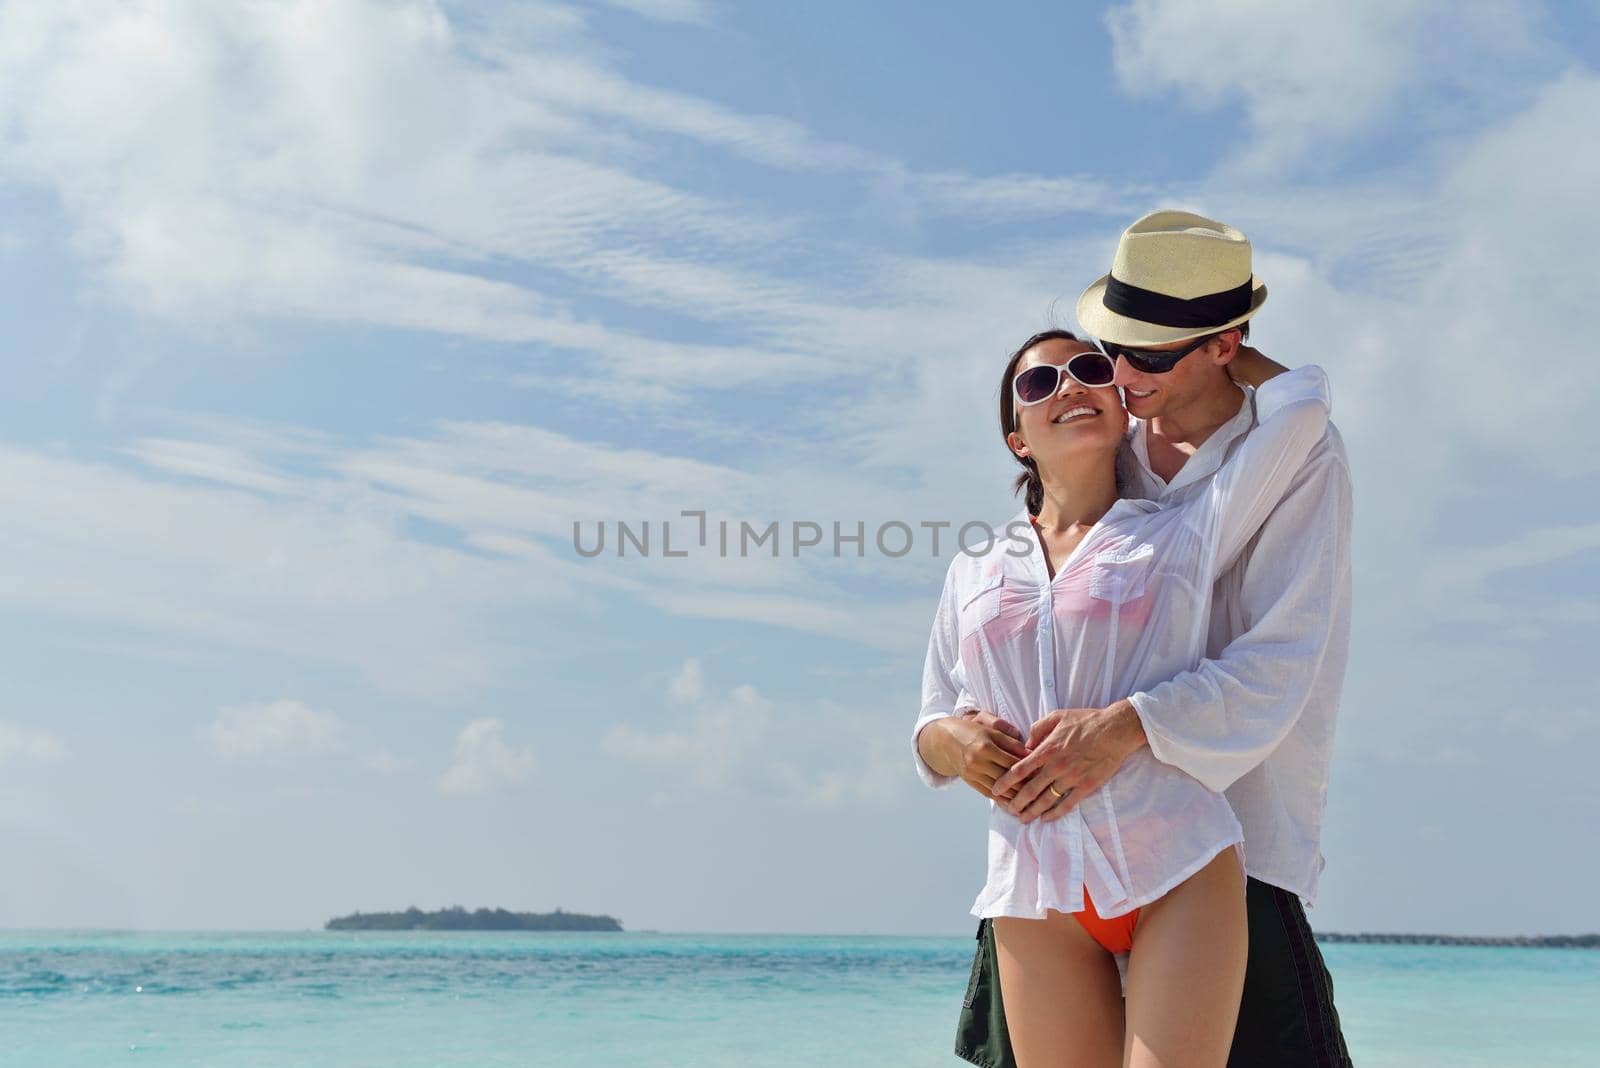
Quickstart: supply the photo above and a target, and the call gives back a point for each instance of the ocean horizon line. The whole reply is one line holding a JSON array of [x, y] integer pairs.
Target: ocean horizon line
[[1584, 940]]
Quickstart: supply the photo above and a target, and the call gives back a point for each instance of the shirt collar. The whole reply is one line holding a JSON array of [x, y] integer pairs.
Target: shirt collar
[[1033, 564], [1135, 451]]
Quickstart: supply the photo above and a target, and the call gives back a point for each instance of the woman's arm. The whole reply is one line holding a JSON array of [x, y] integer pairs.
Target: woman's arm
[[953, 740], [975, 747]]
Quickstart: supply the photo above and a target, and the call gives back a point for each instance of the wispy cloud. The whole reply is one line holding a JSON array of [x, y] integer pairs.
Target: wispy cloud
[[209, 462], [385, 762], [1317, 77], [329, 574], [20, 741], [272, 728], [296, 196], [666, 10], [714, 747], [742, 742], [289, 164]]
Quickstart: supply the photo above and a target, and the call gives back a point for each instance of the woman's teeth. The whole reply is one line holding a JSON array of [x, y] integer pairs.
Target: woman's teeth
[[1075, 413]]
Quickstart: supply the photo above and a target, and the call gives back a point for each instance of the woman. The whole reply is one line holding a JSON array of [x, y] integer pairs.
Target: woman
[[1092, 598]]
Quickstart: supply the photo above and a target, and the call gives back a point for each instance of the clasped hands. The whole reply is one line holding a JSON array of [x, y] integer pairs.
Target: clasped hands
[[1068, 754]]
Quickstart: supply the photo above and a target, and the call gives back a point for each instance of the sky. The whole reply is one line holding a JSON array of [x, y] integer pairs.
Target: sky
[[325, 322]]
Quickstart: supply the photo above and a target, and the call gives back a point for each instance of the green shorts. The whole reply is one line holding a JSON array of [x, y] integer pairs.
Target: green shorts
[[1286, 1016]]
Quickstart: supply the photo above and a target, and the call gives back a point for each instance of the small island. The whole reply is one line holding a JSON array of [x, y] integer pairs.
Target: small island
[[457, 918]]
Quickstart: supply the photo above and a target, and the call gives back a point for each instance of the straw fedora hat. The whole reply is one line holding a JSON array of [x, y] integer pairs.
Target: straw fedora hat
[[1176, 276]]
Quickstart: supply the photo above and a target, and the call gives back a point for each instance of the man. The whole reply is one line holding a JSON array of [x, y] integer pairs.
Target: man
[[1256, 718]]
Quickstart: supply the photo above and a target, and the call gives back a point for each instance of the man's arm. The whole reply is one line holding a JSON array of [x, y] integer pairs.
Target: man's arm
[[1223, 718], [1226, 716]]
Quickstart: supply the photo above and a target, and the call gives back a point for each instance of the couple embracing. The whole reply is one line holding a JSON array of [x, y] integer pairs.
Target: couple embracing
[[1142, 676]]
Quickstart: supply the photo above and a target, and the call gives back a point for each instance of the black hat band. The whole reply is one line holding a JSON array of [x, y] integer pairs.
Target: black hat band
[[1148, 306]]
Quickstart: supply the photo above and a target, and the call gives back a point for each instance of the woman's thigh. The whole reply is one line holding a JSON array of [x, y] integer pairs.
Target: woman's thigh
[[1186, 971], [1063, 994]]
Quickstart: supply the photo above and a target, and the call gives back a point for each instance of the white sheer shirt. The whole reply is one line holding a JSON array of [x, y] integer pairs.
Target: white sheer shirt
[[1256, 718], [1127, 612]]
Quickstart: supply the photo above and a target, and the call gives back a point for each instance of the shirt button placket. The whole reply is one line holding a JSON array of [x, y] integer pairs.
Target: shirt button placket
[[1047, 658]]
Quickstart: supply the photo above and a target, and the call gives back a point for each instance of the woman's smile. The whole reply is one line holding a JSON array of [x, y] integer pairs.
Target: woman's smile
[[1077, 411]]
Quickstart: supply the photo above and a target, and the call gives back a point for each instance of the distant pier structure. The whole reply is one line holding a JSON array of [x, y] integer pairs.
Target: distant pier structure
[[1583, 941]]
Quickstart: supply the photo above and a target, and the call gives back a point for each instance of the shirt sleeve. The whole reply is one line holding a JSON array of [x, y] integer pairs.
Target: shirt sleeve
[[1291, 417], [944, 691], [1225, 717]]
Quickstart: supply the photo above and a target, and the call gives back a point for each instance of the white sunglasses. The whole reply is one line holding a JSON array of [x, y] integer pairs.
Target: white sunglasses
[[1041, 381]]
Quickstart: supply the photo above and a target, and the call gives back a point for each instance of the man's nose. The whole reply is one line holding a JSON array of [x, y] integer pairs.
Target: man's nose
[[1122, 373]]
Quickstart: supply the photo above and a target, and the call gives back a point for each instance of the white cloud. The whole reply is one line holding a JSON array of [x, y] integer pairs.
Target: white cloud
[[584, 86], [368, 163], [374, 163], [18, 740], [1312, 77], [713, 749], [1533, 548], [383, 761], [485, 762], [1418, 290], [272, 728], [1519, 276], [819, 754], [209, 462], [689, 686], [1000, 197], [666, 10], [329, 567], [330, 573], [242, 160]]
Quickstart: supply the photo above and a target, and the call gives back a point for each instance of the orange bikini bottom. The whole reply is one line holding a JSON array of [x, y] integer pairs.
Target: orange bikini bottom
[[1115, 934]]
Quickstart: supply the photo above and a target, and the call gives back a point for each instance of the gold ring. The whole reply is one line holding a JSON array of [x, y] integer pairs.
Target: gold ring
[[1058, 793]]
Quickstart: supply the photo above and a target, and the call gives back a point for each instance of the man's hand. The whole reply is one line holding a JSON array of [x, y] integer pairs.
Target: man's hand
[[1072, 750], [1251, 366], [977, 746]]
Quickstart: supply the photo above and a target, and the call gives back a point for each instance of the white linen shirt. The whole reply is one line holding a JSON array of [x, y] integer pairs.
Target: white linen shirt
[[1256, 717], [1128, 608]]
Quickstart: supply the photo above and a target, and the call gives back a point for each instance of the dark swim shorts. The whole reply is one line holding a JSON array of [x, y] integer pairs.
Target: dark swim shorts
[[1286, 1017]]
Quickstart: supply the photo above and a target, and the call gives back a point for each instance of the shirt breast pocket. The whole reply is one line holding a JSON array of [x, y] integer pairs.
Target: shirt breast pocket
[[982, 605], [1119, 575]]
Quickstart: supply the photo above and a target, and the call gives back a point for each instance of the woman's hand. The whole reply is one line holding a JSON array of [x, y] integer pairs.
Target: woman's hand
[[977, 746], [1071, 753]]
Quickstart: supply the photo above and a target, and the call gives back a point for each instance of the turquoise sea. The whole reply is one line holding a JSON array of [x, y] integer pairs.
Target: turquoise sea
[[70, 999]]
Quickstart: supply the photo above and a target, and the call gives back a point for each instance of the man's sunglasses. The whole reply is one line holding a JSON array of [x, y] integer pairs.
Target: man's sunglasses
[[1041, 381], [1150, 361]]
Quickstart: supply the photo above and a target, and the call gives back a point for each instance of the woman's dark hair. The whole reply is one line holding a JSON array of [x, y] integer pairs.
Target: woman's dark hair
[[1029, 479]]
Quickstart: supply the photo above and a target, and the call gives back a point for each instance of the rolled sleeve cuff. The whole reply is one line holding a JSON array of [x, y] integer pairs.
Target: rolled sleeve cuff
[[1145, 706], [926, 773], [1212, 774]]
